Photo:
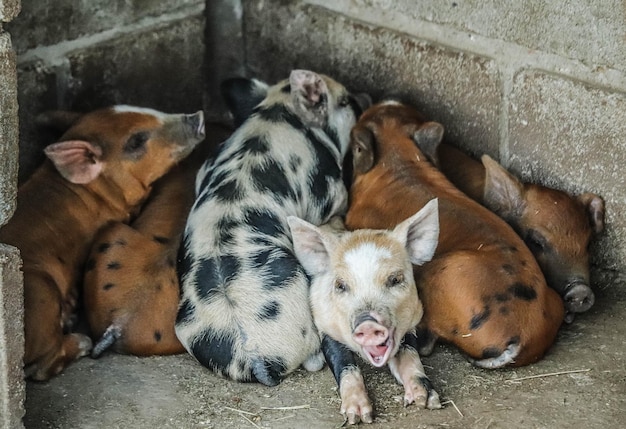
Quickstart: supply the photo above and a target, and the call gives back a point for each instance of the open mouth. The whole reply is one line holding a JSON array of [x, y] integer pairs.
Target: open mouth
[[379, 355]]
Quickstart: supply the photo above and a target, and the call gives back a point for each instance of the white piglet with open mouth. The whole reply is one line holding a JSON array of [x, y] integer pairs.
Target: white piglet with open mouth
[[364, 300]]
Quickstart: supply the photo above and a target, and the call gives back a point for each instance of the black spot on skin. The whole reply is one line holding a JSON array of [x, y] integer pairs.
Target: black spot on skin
[[502, 296], [158, 287], [157, 336], [279, 113], [491, 352], [304, 332], [268, 371], [90, 265], [228, 191], [428, 386], [215, 274], [213, 349], [114, 265], [108, 286], [264, 222], [270, 177], [504, 310], [61, 260], [185, 312], [161, 240], [334, 137], [103, 247], [455, 331], [256, 146], [524, 263], [295, 162], [522, 291], [510, 249], [226, 227], [480, 318], [281, 269], [270, 310], [508, 268], [184, 260]]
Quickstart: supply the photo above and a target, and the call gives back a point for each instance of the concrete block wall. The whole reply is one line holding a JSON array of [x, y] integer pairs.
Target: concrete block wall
[[80, 55], [538, 85], [11, 295]]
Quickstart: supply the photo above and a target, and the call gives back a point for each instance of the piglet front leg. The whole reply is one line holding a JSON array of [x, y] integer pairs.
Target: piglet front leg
[[355, 404], [407, 368]]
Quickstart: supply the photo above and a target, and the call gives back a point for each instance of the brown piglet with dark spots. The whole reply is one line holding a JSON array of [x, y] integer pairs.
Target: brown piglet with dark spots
[[131, 285], [101, 170], [556, 227], [483, 290]]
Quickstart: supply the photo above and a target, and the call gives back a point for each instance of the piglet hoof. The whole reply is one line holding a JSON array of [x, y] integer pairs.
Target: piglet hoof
[[84, 344], [355, 404], [420, 391]]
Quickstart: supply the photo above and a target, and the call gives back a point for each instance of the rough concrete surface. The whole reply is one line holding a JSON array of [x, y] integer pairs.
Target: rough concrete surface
[[588, 31], [11, 338], [568, 135], [176, 392], [8, 129]]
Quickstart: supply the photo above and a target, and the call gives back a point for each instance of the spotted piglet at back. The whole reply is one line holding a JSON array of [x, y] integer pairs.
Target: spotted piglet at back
[[244, 311]]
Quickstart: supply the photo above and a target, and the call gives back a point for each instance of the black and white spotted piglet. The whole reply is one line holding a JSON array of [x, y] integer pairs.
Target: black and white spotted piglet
[[364, 300], [244, 310]]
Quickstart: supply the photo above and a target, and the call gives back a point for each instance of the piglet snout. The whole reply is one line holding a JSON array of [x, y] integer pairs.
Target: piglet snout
[[369, 332], [374, 338], [579, 297]]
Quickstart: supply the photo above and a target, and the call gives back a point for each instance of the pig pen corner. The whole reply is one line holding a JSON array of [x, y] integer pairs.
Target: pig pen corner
[[545, 96]]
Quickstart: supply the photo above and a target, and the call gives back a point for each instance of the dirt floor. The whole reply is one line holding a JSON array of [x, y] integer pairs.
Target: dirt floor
[[587, 391]]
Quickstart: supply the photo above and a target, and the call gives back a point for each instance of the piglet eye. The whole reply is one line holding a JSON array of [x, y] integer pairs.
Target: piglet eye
[[395, 280], [535, 241], [344, 101], [135, 142], [340, 286]]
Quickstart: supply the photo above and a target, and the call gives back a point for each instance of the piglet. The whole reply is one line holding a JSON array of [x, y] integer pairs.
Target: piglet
[[100, 171], [364, 300]]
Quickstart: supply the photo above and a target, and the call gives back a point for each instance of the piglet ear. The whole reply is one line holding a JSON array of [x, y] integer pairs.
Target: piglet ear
[[242, 96], [311, 245], [504, 193], [427, 138], [78, 161], [420, 233], [309, 94], [595, 210]]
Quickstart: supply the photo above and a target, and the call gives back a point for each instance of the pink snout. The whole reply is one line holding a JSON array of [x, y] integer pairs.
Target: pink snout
[[370, 333], [376, 340]]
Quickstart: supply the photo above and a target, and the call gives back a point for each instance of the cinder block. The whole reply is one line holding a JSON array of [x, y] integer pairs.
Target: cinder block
[[8, 129], [9, 9], [570, 136], [159, 68], [11, 339], [45, 23], [461, 91], [589, 31]]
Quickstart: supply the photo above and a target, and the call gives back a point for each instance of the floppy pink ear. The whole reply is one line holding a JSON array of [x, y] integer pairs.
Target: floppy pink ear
[[77, 160]]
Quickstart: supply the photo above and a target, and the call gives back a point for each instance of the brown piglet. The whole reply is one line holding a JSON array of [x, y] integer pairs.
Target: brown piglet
[[556, 227], [483, 290], [100, 171]]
